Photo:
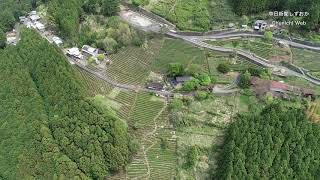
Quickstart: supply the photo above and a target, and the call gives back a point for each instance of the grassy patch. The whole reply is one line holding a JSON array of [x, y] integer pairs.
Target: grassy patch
[[257, 46], [211, 116], [177, 51]]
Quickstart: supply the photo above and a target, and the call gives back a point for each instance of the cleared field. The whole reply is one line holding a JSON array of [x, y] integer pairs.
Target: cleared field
[[237, 64], [177, 51], [186, 14], [211, 117], [133, 64], [307, 59]]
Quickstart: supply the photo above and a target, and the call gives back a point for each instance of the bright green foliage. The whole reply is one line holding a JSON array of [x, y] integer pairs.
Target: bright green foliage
[[201, 95], [277, 143], [176, 104], [223, 68], [2, 39], [110, 7], [48, 128], [191, 85], [244, 80], [268, 35], [100, 57], [175, 69], [204, 79]]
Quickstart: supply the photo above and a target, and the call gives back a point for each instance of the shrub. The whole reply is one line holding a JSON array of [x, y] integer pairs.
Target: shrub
[[201, 95], [223, 68], [191, 85]]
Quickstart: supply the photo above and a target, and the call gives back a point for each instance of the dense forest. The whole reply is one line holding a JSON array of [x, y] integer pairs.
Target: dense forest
[[278, 143], [11, 10], [246, 7], [66, 15], [48, 128]]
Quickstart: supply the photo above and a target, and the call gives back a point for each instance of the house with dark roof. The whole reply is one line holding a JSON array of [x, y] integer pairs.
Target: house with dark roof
[[155, 86]]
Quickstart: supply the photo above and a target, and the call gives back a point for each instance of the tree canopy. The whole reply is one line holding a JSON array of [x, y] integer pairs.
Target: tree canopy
[[49, 129], [278, 143]]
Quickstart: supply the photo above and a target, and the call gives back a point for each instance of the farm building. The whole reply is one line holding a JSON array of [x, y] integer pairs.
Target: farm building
[[74, 52], [11, 38], [57, 40], [39, 26], [155, 86], [34, 18], [260, 25], [278, 89], [22, 19], [182, 79], [89, 51]]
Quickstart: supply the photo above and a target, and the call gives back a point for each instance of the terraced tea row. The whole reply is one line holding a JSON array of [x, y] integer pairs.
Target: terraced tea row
[[132, 65]]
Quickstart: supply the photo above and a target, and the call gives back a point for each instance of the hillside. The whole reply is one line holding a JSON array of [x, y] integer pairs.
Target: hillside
[[51, 129], [279, 142]]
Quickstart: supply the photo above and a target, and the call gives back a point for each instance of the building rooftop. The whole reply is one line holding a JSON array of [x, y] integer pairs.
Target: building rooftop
[[57, 40], [180, 79], [34, 17], [156, 86], [90, 50]]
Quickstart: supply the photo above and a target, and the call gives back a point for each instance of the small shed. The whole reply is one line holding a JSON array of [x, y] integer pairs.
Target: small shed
[[39, 26], [74, 52], [182, 79], [261, 24], [155, 86], [22, 19], [90, 51], [57, 40], [34, 18]]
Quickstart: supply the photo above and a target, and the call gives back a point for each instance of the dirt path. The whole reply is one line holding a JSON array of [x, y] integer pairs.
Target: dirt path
[[150, 134]]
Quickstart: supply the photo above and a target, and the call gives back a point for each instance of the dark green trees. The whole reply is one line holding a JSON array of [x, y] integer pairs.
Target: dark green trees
[[66, 16], [2, 39], [110, 7], [55, 131], [279, 142], [223, 68]]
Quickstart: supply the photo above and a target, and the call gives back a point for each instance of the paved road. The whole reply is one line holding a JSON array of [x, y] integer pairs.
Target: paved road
[[240, 34]]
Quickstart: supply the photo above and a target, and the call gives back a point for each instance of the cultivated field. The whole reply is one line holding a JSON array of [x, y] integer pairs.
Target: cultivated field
[[306, 59], [133, 64], [177, 51]]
